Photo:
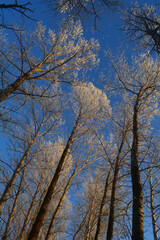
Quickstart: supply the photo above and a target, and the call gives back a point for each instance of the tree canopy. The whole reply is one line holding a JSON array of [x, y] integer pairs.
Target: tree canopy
[[79, 122]]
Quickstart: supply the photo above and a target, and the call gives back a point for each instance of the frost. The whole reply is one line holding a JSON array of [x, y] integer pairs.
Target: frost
[[91, 102]]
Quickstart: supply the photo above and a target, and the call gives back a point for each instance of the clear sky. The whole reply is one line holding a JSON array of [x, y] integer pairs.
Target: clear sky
[[107, 32]]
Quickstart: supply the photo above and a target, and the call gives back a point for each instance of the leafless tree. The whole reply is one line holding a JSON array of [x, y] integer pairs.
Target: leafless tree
[[82, 8], [142, 84], [141, 24], [22, 8], [33, 129], [89, 106], [56, 60]]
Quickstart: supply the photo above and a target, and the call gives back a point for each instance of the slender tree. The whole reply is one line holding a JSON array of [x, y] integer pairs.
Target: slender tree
[[142, 84], [87, 102], [29, 137]]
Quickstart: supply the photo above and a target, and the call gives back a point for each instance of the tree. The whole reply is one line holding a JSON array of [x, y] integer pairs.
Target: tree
[[90, 105], [80, 162], [37, 178], [122, 131], [87, 206], [142, 25], [82, 8], [39, 119], [153, 182], [22, 9], [142, 88], [8, 224], [120, 128], [60, 58]]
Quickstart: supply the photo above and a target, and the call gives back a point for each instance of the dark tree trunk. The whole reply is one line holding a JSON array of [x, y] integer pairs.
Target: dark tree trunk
[[137, 215], [113, 194], [155, 232], [99, 223]]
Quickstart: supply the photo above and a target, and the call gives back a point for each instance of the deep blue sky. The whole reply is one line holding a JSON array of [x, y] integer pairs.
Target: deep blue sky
[[107, 33]]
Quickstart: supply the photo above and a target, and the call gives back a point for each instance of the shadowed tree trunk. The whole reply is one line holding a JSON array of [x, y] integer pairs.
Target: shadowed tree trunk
[[154, 225], [113, 194], [34, 215], [99, 223], [43, 209], [137, 216]]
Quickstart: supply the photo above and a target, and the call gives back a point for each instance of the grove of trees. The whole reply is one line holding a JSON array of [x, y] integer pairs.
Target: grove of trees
[[80, 143]]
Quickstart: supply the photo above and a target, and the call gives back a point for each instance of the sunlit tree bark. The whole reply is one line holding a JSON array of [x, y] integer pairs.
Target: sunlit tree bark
[[61, 56]]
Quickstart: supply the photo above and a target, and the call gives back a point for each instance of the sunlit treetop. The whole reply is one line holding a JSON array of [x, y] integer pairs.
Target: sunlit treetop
[[90, 102]]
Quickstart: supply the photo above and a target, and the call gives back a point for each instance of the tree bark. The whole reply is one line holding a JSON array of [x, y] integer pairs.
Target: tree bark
[[58, 207], [34, 214], [89, 225], [43, 209], [10, 89], [137, 216], [154, 225], [113, 194], [99, 223]]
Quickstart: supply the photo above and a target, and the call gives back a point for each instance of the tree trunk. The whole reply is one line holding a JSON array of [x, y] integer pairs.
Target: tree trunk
[[34, 215], [113, 194], [5, 235], [58, 207], [43, 209], [80, 226], [102, 206], [137, 215], [89, 225], [154, 225], [21, 236], [16, 172]]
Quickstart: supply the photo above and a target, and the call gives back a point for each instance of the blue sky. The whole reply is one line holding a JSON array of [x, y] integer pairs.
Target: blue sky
[[107, 33]]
